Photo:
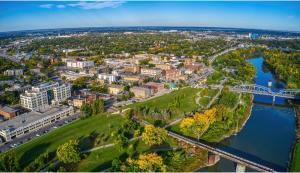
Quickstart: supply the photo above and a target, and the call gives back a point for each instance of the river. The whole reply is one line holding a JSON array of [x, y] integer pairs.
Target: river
[[267, 136]]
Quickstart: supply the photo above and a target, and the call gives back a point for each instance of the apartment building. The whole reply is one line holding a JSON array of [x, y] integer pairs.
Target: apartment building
[[135, 69], [115, 89], [153, 72], [107, 77], [80, 64], [156, 87], [172, 74], [164, 66], [141, 92], [194, 66], [40, 97], [81, 100], [17, 72]]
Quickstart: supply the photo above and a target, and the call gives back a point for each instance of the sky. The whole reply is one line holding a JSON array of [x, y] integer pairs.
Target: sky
[[30, 15]]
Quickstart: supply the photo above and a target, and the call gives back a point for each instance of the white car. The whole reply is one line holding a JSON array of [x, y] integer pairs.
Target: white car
[[55, 127], [37, 129], [38, 134]]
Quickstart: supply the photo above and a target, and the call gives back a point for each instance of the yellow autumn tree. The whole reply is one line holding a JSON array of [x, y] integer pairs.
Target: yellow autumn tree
[[151, 162], [154, 135], [199, 123]]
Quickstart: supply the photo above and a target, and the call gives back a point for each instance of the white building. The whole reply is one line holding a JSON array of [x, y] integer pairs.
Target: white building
[[80, 64], [108, 77], [24, 123], [40, 97]]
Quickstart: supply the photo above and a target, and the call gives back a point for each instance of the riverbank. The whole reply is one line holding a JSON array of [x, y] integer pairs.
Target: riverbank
[[294, 160], [216, 132]]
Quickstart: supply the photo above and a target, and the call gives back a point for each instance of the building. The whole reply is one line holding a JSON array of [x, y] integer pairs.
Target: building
[[73, 76], [198, 56], [135, 69], [8, 112], [81, 100], [115, 89], [156, 87], [189, 60], [108, 77], [135, 78], [202, 81], [188, 71], [80, 64], [9, 82], [25, 123], [17, 72], [141, 92], [40, 97], [19, 88], [194, 66], [153, 72], [98, 70], [53, 60], [172, 74], [164, 66]]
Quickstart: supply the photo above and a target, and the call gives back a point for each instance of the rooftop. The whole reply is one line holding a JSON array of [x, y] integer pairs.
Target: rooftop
[[139, 88], [31, 117], [153, 84], [115, 86], [8, 109]]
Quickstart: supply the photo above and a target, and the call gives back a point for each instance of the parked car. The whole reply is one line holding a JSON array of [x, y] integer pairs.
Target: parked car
[[37, 129], [56, 121], [55, 127], [12, 145], [46, 131], [74, 118], [59, 124], [27, 139], [20, 143], [6, 143], [38, 134]]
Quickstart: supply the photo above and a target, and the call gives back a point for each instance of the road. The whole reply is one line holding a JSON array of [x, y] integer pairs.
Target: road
[[212, 58], [32, 134]]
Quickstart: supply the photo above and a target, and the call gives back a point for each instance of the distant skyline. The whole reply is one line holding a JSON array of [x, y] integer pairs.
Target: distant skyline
[[31, 15]]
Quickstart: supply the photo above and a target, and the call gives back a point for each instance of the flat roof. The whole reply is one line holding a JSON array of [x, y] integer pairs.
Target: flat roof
[[116, 86], [153, 84], [31, 117], [8, 109]]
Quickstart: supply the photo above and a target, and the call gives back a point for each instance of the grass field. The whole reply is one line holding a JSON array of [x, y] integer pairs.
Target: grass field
[[79, 129], [204, 101], [296, 160], [187, 104], [211, 93], [298, 86], [101, 159]]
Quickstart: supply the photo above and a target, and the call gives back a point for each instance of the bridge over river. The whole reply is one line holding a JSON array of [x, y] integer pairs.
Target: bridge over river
[[241, 163]]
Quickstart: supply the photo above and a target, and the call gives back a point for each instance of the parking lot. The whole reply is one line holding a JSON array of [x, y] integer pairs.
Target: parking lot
[[31, 135]]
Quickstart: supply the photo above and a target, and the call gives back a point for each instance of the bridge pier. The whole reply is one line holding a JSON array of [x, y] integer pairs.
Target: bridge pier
[[213, 159], [180, 143], [195, 149], [273, 100], [240, 168]]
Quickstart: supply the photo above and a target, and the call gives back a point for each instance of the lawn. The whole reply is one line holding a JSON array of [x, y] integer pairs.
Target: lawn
[[77, 130], [101, 159], [211, 93], [215, 102], [296, 158], [187, 104], [204, 101], [298, 86]]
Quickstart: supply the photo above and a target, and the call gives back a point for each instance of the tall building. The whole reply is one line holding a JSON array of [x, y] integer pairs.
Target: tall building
[[135, 69], [80, 64], [107, 77], [40, 97], [153, 72]]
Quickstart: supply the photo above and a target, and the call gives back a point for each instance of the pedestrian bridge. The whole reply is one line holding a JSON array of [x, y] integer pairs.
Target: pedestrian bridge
[[262, 90]]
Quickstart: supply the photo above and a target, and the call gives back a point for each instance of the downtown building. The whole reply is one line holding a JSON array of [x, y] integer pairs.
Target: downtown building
[[80, 64], [40, 97]]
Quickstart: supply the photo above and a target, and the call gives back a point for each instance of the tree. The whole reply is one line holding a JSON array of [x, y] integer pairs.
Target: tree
[[131, 94], [94, 83], [64, 78], [151, 162], [9, 163], [98, 106], [154, 135], [130, 150], [51, 167], [123, 97], [69, 152], [127, 114], [86, 110], [76, 70], [61, 169]]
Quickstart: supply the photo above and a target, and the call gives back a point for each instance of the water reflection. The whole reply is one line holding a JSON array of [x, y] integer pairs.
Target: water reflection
[[267, 136]]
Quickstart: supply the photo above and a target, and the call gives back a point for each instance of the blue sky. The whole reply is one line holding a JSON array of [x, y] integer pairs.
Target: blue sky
[[20, 15]]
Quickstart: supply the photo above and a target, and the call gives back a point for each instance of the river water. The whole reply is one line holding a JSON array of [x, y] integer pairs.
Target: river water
[[267, 136]]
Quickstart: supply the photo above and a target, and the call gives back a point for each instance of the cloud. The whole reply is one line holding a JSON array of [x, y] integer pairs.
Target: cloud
[[97, 5], [61, 6], [46, 6]]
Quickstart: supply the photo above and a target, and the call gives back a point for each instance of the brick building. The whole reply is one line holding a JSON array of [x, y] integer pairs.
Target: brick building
[[135, 69], [194, 66], [141, 92], [156, 87], [164, 66], [8, 112], [172, 74], [153, 72], [81, 100]]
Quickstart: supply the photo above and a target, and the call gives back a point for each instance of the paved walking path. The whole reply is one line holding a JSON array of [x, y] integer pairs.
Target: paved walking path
[[240, 96], [211, 102], [197, 100], [174, 122]]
